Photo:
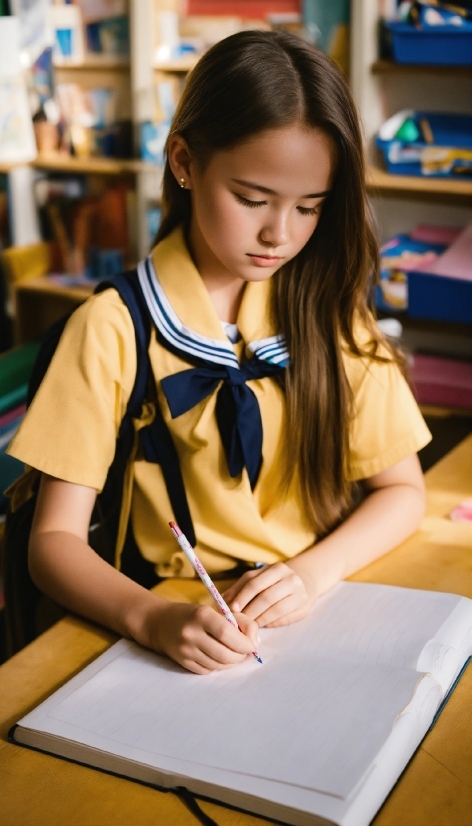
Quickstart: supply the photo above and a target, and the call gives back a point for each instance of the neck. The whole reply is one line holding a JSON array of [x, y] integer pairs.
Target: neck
[[226, 298], [225, 290]]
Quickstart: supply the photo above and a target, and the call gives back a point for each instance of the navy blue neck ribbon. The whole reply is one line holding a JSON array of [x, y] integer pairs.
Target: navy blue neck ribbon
[[237, 409]]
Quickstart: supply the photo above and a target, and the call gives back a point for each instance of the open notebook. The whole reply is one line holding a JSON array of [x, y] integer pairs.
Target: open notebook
[[317, 734]]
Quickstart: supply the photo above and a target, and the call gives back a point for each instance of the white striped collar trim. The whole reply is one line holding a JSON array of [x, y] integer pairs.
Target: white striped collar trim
[[172, 328], [272, 350]]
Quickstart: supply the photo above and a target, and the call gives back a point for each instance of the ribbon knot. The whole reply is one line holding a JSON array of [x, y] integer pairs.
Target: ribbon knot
[[237, 409], [236, 378]]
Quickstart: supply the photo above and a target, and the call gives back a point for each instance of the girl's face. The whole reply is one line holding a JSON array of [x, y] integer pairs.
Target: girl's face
[[255, 206]]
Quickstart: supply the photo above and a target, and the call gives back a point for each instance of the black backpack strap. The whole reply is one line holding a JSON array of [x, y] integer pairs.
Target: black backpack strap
[[158, 446], [128, 288], [156, 441]]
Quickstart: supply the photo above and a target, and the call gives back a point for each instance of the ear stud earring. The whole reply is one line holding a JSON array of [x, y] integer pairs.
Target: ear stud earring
[[182, 183]]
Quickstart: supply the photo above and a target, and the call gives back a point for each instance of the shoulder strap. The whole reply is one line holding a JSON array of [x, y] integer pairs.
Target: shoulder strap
[[128, 288], [156, 440]]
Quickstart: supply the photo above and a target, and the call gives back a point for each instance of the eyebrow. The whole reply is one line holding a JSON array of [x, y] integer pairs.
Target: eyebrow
[[268, 191]]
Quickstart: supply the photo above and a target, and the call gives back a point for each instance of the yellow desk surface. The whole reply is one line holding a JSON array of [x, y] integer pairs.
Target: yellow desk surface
[[435, 789]]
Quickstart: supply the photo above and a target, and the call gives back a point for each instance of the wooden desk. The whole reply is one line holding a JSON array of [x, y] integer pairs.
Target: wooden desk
[[435, 790]]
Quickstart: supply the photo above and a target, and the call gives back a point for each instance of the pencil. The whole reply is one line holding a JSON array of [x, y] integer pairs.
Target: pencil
[[211, 587]]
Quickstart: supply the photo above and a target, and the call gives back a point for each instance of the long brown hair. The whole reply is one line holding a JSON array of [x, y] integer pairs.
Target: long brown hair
[[248, 83]]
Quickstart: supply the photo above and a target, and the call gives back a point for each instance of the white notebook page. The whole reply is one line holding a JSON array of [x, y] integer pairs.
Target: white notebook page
[[314, 715]]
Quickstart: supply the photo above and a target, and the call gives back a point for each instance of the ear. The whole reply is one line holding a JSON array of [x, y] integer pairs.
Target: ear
[[180, 161]]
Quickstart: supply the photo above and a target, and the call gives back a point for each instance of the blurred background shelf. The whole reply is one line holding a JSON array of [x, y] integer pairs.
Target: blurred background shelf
[[92, 62], [182, 64], [90, 165], [378, 180], [6, 167], [390, 67]]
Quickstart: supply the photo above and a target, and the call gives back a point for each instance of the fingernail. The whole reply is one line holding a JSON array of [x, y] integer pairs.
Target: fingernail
[[235, 606]]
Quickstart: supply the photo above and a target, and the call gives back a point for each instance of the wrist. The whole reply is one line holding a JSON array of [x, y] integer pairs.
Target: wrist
[[143, 619], [315, 567], [304, 566]]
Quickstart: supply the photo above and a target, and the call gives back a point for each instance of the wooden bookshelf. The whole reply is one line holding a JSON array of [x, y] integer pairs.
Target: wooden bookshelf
[[382, 67], [95, 62], [57, 162], [7, 166], [181, 64], [444, 412], [446, 189]]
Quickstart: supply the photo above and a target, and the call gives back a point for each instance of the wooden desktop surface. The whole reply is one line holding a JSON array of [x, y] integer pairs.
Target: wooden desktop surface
[[435, 789]]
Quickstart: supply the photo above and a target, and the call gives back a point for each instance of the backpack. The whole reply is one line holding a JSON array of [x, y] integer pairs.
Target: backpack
[[27, 611]]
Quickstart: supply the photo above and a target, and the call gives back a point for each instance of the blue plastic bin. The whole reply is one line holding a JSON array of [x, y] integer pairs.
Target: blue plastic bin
[[453, 131], [435, 46], [428, 296], [439, 298]]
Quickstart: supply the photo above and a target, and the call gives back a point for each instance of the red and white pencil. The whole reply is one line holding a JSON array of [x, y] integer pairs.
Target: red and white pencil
[[198, 567]]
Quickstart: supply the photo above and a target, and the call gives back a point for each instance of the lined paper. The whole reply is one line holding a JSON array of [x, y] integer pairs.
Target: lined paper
[[314, 715]]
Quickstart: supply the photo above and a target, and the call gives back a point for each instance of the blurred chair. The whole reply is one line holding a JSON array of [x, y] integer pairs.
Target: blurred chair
[[26, 262]]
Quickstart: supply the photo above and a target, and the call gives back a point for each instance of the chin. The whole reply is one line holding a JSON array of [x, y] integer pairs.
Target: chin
[[253, 273], [256, 276]]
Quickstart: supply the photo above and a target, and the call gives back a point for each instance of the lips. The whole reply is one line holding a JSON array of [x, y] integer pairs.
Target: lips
[[264, 260]]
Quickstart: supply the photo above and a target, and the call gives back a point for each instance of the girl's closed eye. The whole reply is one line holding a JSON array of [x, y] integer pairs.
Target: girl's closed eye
[[309, 210], [248, 203], [254, 204]]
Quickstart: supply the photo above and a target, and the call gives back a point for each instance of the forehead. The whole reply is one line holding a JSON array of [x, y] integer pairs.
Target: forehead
[[290, 160]]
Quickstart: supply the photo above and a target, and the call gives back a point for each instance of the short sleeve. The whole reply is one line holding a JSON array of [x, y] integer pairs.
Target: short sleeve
[[387, 425], [71, 426]]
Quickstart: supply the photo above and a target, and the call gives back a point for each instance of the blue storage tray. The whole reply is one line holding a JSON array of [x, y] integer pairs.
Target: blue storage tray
[[428, 296], [439, 298], [448, 131], [435, 46]]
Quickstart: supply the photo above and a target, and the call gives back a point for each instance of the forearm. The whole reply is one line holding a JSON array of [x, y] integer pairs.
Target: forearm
[[65, 568], [197, 637], [381, 522]]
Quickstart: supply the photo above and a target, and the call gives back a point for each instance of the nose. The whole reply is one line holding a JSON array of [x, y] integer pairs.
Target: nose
[[275, 231]]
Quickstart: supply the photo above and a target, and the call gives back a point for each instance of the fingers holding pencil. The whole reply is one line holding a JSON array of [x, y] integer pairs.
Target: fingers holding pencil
[[209, 585], [201, 640]]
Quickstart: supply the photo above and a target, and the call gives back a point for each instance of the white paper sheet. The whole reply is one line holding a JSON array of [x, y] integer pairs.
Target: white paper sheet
[[314, 715]]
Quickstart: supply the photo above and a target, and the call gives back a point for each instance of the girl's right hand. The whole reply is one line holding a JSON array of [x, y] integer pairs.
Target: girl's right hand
[[199, 639]]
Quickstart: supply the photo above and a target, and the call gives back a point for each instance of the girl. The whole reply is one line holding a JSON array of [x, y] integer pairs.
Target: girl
[[262, 268]]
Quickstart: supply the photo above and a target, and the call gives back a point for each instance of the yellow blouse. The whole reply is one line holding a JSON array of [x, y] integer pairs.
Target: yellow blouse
[[70, 429]]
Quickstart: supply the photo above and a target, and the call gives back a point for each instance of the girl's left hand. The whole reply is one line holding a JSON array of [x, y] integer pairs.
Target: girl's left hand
[[273, 595]]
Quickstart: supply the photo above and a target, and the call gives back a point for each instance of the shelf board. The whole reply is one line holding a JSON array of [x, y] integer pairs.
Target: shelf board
[[444, 412], [99, 166], [42, 284], [428, 325], [56, 162], [181, 64], [6, 166], [94, 62], [381, 67], [438, 188]]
